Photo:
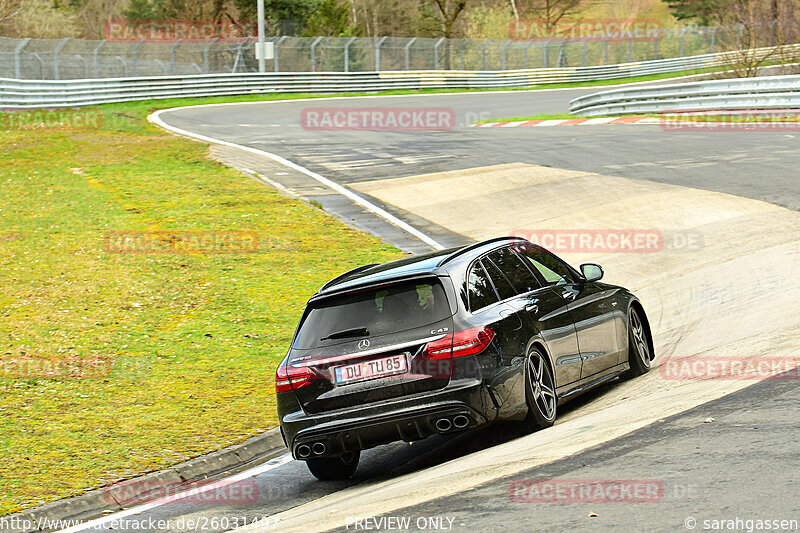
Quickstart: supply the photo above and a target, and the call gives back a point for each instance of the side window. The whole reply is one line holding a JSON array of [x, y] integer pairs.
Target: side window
[[480, 289], [552, 269], [504, 288], [515, 271]]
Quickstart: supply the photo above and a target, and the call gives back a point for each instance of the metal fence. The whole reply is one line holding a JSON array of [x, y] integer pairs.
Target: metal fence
[[64, 59], [16, 93], [772, 92]]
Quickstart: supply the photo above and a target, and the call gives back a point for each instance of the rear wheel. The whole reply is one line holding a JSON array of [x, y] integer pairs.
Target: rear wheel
[[540, 391], [639, 355], [332, 468]]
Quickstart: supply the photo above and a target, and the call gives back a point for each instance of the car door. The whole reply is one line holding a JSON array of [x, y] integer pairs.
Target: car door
[[591, 306], [544, 314], [491, 305]]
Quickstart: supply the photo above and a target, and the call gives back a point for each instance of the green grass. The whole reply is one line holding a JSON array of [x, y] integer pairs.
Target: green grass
[[540, 116], [186, 343]]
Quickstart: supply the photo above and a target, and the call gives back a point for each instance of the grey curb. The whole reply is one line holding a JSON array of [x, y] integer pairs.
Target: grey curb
[[98, 502]]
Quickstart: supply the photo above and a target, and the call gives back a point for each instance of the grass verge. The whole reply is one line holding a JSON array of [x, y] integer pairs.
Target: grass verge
[[115, 364]]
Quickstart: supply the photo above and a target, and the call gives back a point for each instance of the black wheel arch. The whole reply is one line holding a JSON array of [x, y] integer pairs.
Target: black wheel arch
[[634, 303]]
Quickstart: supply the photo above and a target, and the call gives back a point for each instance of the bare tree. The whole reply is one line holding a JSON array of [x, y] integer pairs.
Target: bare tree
[[761, 33], [551, 12], [448, 11]]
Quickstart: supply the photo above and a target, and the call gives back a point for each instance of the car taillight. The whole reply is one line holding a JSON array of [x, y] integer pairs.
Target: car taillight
[[467, 342], [288, 378]]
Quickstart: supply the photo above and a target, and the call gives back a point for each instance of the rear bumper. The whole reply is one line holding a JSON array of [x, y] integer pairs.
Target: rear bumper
[[463, 405]]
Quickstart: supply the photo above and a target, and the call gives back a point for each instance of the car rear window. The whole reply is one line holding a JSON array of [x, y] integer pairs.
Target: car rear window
[[387, 309]]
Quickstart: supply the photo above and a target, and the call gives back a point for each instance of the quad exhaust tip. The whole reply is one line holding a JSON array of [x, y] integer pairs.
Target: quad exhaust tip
[[318, 448], [460, 421], [443, 424], [303, 450]]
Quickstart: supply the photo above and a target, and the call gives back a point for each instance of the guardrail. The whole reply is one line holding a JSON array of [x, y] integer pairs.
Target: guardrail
[[772, 92], [15, 93]]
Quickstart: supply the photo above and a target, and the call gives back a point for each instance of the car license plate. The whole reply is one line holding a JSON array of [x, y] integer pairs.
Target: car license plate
[[376, 368]]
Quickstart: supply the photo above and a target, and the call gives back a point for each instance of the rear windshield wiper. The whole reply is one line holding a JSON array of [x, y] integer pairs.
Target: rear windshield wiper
[[352, 332]]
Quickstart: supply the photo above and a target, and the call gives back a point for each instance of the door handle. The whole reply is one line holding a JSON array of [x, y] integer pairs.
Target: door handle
[[532, 308], [568, 295]]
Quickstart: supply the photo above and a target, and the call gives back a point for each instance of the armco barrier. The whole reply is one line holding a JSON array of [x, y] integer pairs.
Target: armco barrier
[[17, 93], [771, 92]]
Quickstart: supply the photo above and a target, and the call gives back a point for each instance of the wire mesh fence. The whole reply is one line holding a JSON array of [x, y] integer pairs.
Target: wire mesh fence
[[64, 59]]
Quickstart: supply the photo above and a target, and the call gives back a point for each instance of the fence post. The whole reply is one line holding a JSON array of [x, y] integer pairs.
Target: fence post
[[136, 56], [18, 58], [463, 49], [124, 67], [95, 66], [408, 53], [630, 50], [436, 53], [683, 36], [205, 54], [655, 47], [526, 53], [505, 46], [56, 66], [605, 52], [713, 37], [172, 50], [238, 55], [277, 47], [85, 66], [347, 54], [562, 54], [378, 54], [483, 54], [585, 44], [41, 65], [544, 53], [313, 54]]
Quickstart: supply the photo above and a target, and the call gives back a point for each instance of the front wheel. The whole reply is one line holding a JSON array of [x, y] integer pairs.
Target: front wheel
[[540, 391], [639, 355], [334, 468]]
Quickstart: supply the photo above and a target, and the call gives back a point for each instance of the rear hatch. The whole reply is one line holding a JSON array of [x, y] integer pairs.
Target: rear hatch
[[369, 345]]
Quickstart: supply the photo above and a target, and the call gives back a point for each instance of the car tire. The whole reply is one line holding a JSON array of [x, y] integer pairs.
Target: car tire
[[333, 468], [639, 352], [540, 390]]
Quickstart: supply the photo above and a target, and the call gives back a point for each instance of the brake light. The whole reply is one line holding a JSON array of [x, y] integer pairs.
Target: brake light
[[289, 377], [462, 343]]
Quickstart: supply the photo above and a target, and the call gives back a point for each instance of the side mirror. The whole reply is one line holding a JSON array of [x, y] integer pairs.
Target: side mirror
[[591, 272]]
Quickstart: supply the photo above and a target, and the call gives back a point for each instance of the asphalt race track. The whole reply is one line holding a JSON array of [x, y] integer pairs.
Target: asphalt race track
[[724, 449]]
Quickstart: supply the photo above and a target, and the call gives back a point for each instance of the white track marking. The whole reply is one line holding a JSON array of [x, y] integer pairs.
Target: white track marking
[[155, 118], [255, 471]]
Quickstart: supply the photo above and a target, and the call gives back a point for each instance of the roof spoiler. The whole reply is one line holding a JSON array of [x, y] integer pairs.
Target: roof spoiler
[[342, 276]]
